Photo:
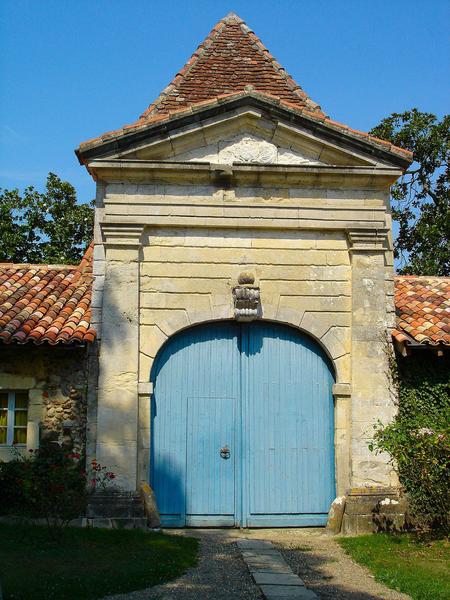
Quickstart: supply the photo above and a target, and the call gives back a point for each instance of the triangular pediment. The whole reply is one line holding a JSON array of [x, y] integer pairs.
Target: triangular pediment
[[245, 136]]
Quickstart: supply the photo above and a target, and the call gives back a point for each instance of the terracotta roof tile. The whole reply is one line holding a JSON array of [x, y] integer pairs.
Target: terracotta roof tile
[[231, 58], [422, 306], [46, 303], [232, 61]]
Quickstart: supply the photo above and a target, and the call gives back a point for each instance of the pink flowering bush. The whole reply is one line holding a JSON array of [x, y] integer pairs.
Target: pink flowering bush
[[99, 478]]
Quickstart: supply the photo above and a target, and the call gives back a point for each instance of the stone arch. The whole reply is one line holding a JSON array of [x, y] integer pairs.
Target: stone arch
[[312, 326], [179, 324]]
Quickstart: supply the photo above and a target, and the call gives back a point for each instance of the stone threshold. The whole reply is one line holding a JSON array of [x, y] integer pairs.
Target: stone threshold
[[271, 573]]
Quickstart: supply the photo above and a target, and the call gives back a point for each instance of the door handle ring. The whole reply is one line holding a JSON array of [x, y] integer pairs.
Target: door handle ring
[[225, 452]]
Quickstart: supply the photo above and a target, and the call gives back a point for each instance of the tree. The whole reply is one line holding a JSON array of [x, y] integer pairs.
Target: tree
[[44, 228], [421, 199]]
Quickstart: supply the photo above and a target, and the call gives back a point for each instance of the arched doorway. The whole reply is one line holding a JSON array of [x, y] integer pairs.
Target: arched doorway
[[242, 427]]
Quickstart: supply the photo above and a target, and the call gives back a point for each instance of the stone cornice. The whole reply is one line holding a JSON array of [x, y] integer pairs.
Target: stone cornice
[[114, 170]]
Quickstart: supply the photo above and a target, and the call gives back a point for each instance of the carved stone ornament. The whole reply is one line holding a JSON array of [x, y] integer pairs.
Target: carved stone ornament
[[247, 303], [246, 148], [246, 278]]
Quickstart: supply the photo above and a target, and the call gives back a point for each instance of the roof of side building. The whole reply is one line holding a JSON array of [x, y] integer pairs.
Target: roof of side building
[[422, 306], [46, 303]]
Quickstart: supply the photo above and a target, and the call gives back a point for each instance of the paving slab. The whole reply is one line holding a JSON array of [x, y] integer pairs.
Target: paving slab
[[274, 554], [265, 559], [264, 552], [262, 578], [276, 592], [272, 573], [254, 545], [271, 567]]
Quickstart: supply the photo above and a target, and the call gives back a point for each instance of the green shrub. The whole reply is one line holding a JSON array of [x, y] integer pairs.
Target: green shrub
[[49, 485], [11, 491], [418, 439]]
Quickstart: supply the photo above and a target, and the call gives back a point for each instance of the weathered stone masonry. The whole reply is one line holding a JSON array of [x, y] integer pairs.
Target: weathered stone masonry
[[57, 382], [329, 281]]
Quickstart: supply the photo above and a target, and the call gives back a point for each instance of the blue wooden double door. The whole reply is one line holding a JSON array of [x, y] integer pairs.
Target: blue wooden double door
[[242, 428]]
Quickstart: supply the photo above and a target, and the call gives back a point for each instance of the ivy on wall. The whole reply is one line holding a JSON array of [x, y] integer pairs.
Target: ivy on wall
[[418, 439]]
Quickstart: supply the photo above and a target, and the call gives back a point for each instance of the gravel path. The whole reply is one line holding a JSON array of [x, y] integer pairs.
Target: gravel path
[[222, 575]]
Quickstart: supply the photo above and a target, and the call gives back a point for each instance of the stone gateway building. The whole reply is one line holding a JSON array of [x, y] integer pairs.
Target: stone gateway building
[[243, 287], [243, 294]]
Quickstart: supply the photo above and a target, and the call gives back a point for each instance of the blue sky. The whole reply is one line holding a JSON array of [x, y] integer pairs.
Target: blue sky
[[71, 70]]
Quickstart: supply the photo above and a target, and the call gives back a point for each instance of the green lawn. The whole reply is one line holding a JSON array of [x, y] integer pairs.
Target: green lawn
[[417, 566], [87, 563]]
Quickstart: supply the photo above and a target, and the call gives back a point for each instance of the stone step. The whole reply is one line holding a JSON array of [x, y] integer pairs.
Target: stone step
[[114, 511], [119, 523], [115, 506]]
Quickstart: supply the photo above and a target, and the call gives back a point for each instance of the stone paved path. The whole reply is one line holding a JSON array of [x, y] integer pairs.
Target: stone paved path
[[272, 573]]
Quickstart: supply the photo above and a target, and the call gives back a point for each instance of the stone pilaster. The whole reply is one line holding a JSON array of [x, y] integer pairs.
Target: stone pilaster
[[342, 439], [371, 398], [145, 390], [118, 407]]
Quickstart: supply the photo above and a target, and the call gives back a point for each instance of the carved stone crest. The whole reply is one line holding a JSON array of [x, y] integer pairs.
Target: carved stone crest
[[247, 299]]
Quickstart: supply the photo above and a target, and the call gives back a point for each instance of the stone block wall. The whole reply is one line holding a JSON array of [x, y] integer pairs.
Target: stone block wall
[[168, 255], [373, 510], [187, 276]]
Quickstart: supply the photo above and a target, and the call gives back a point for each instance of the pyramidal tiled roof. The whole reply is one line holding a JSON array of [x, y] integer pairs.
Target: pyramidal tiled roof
[[232, 59], [46, 303], [232, 62]]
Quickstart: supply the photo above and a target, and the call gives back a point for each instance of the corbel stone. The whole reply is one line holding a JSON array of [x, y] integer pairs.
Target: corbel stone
[[246, 299], [222, 175], [342, 389], [145, 388], [122, 234], [368, 239]]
